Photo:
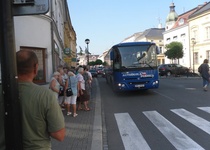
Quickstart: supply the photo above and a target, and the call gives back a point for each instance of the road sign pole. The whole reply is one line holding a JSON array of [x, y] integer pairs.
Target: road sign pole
[[12, 121]]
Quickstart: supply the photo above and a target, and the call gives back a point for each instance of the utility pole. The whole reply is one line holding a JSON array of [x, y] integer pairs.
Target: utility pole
[[12, 120]]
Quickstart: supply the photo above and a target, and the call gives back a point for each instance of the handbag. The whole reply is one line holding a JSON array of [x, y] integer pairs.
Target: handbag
[[69, 90], [61, 92]]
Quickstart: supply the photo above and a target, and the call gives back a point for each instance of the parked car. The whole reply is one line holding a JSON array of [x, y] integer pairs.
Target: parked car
[[93, 73], [175, 69]]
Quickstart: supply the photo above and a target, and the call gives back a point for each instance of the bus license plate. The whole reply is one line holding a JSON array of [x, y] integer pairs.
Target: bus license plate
[[139, 85]]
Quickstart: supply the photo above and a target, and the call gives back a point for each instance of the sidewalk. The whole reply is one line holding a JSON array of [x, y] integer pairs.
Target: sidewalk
[[84, 132]]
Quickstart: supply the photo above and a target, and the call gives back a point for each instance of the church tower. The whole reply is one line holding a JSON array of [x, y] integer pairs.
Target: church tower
[[171, 18]]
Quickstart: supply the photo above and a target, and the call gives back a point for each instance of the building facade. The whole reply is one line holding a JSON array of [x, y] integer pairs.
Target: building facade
[[179, 32], [48, 35], [199, 31]]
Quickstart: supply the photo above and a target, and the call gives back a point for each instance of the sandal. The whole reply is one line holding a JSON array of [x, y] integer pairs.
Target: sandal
[[79, 108], [87, 109]]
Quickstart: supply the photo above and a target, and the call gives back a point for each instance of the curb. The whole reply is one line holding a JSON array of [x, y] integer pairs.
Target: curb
[[97, 124]]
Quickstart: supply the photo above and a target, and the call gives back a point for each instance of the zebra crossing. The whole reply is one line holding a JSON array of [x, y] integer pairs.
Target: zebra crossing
[[133, 139]]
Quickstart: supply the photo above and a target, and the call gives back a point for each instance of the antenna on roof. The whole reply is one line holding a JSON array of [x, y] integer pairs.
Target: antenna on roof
[[159, 22]]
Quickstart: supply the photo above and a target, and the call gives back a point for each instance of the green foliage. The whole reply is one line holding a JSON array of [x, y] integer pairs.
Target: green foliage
[[104, 63], [92, 63], [98, 62], [174, 50]]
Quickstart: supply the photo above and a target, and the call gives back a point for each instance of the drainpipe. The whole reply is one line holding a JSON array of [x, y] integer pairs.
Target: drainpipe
[[52, 37]]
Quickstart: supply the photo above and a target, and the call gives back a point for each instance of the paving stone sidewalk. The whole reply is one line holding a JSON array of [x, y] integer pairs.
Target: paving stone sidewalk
[[80, 130]]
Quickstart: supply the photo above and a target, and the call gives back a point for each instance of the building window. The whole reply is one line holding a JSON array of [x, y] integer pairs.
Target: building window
[[208, 54], [208, 33], [161, 50], [168, 40], [41, 74], [195, 35], [183, 35], [175, 38]]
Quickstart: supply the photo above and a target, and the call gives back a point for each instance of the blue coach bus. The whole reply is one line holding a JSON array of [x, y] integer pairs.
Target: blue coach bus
[[132, 66]]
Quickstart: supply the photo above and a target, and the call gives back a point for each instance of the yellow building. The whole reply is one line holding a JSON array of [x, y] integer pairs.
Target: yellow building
[[69, 51]]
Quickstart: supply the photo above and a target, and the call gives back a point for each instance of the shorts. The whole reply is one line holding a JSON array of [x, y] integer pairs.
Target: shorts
[[84, 97], [71, 99]]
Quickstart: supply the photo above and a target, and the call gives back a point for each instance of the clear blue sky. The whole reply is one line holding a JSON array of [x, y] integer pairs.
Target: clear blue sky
[[108, 22]]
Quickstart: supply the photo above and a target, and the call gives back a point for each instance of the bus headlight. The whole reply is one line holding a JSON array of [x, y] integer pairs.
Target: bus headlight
[[121, 85], [155, 82]]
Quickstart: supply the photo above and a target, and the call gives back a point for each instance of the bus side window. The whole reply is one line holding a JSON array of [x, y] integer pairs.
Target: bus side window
[[117, 59]]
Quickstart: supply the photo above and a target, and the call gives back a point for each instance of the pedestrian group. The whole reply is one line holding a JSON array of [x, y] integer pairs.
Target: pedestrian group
[[41, 108]]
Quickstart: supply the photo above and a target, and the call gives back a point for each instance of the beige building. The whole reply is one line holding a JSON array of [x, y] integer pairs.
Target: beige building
[[199, 31], [70, 52], [179, 32]]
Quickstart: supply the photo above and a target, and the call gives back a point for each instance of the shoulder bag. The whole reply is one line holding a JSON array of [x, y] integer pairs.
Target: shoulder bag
[[69, 90]]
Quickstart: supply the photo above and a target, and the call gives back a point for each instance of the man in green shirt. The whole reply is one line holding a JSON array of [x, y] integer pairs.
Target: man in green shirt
[[42, 117]]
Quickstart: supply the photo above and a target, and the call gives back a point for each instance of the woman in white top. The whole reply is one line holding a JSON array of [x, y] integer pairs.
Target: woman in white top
[[54, 84]]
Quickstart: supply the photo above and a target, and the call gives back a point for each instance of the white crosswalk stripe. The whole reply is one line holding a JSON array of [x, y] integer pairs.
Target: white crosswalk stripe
[[206, 109], [194, 119], [133, 139], [130, 134], [177, 138]]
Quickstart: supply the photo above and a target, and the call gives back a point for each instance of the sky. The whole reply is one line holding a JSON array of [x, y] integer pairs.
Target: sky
[[108, 22]]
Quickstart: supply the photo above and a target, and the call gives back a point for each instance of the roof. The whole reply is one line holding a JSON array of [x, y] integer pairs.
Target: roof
[[201, 10], [172, 16], [183, 18], [152, 33]]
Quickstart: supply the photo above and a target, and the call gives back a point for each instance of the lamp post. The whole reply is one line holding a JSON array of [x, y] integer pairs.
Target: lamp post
[[87, 41], [193, 44]]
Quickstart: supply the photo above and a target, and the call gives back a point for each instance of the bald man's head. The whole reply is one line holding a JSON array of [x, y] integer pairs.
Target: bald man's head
[[26, 61]]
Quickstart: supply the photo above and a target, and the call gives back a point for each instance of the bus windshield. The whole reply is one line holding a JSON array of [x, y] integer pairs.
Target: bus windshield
[[143, 56]]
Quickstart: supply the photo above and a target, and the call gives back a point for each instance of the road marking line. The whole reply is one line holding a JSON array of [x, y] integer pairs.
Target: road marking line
[[164, 95], [194, 119], [130, 134], [175, 136], [206, 109]]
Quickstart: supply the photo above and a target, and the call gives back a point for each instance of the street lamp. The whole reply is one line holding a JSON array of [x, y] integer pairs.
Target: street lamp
[[193, 44], [87, 41]]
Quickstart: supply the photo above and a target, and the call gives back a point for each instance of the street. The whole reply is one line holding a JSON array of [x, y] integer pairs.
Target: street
[[175, 116]]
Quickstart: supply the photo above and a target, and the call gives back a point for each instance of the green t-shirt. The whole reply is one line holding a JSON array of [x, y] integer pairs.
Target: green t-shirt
[[41, 114]]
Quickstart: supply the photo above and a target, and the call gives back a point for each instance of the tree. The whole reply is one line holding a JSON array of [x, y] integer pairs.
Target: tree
[[92, 63], [174, 50], [104, 63], [98, 62]]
